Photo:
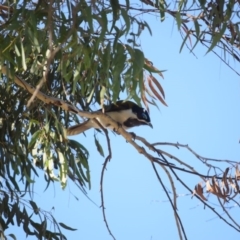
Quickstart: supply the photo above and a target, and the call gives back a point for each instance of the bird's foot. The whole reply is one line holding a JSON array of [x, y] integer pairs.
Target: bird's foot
[[133, 135], [119, 126]]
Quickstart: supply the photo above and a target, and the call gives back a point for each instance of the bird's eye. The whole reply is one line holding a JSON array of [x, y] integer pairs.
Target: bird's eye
[[144, 116]]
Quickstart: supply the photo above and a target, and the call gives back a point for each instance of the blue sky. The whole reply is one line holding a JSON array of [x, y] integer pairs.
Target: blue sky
[[203, 98]]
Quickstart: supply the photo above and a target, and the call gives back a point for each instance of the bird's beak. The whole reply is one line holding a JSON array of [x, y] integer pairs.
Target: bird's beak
[[150, 125]]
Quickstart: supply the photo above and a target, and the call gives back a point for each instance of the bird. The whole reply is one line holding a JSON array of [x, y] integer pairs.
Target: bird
[[126, 113]]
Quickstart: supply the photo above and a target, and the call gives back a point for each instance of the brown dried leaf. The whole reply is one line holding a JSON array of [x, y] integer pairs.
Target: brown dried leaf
[[232, 183], [209, 187], [233, 187], [158, 85], [150, 102], [236, 185], [199, 191], [237, 173], [155, 92], [232, 31], [230, 180], [224, 181], [145, 101], [184, 27], [217, 190], [149, 64], [216, 187], [225, 195], [150, 93]]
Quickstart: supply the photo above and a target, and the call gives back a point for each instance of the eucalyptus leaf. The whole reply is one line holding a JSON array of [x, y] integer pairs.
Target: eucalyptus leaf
[[99, 147]]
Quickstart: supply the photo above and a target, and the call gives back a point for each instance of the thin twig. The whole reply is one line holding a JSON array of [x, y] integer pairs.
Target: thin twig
[[179, 145], [174, 200], [205, 204], [129, 138], [170, 200], [102, 177]]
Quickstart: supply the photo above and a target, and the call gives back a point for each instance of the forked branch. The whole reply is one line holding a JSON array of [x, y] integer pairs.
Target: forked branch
[[224, 185]]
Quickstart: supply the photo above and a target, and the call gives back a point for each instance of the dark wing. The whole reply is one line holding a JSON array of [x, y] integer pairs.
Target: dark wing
[[133, 122], [118, 106]]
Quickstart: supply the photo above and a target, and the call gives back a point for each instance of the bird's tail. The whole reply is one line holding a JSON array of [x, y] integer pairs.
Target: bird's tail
[[80, 128]]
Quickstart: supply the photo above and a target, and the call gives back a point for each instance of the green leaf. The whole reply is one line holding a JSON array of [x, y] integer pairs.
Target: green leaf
[[17, 50], [103, 21], [12, 236], [81, 175], [90, 97], [34, 138], [152, 69], [89, 17], [178, 19], [115, 10], [184, 41], [195, 44], [88, 178], [181, 4], [63, 169], [34, 206], [13, 181], [197, 28], [116, 86], [216, 37], [202, 3], [75, 144], [145, 24], [23, 57], [126, 19], [99, 147], [102, 94], [67, 227], [106, 58], [162, 9], [76, 76], [33, 36], [28, 177], [87, 60], [138, 62]]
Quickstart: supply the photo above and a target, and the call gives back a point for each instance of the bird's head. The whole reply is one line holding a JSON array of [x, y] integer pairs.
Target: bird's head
[[142, 115], [131, 115]]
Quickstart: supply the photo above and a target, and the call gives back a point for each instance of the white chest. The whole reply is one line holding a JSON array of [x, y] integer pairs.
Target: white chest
[[119, 117]]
